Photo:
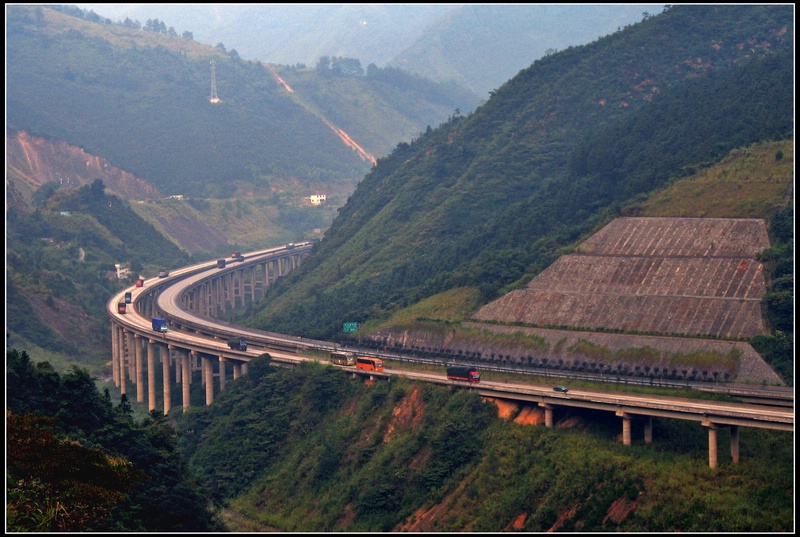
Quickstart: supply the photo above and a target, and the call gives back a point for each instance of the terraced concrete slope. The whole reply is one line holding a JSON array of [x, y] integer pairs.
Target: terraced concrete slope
[[660, 276]]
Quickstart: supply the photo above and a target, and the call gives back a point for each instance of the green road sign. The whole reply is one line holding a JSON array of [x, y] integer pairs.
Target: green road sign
[[351, 327]]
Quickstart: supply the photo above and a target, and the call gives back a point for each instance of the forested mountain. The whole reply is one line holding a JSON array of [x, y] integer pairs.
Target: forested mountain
[[488, 199], [60, 273], [482, 46], [89, 101], [478, 46], [141, 99]]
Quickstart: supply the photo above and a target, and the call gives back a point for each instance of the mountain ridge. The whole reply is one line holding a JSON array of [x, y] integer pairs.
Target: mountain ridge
[[493, 195]]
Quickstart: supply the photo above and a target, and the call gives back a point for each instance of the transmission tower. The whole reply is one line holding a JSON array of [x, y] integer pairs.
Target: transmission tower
[[214, 98]]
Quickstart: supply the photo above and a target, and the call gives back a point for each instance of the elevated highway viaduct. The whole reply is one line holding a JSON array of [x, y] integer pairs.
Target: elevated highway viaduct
[[190, 298]]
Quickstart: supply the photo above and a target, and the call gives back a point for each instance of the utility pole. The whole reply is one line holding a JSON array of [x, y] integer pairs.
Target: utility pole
[[214, 98]]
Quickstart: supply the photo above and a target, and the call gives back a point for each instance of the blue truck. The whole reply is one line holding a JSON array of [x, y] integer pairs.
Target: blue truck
[[159, 324]]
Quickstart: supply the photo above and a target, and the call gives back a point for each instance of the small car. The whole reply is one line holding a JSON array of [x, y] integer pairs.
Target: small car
[[562, 389]]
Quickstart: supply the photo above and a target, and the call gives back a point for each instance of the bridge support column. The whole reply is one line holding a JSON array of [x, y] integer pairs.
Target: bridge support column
[[548, 414], [151, 375], [186, 375], [208, 378], [137, 341], [131, 357], [164, 351], [221, 373], [244, 369], [648, 429], [114, 355], [626, 427], [712, 443], [735, 443], [122, 366], [237, 370]]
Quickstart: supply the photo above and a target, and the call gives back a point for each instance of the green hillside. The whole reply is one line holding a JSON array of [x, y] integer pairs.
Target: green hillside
[[60, 262], [309, 450], [141, 100], [490, 199]]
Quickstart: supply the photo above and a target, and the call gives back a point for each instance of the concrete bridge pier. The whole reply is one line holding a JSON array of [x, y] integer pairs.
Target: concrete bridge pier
[[712, 443], [735, 443], [151, 375], [178, 366], [186, 375], [137, 342], [122, 367], [548, 414], [237, 370], [648, 429], [115, 354], [208, 379], [130, 340], [626, 427], [221, 373], [164, 352]]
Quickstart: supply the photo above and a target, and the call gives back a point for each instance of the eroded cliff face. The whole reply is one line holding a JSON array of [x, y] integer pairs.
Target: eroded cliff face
[[31, 162]]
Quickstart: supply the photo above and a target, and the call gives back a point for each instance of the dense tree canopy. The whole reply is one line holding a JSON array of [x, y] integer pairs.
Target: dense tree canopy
[[93, 468]]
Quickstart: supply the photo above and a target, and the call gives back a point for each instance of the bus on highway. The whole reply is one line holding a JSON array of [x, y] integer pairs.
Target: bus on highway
[[343, 358], [369, 364]]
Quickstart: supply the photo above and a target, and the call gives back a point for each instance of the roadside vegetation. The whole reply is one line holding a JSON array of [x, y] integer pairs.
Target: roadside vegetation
[[77, 462], [308, 449]]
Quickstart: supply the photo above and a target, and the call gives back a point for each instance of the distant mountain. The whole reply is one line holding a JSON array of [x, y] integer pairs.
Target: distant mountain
[[141, 99], [483, 46], [289, 34], [478, 46]]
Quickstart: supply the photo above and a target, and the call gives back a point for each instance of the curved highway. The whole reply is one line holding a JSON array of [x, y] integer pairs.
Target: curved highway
[[205, 337]]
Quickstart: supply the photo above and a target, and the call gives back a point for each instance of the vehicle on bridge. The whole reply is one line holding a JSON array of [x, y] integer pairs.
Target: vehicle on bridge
[[369, 364], [237, 344], [464, 373], [121, 307], [159, 324], [220, 263], [139, 282], [342, 358], [163, 273], [562, 389], [237, 256], [128, 297]]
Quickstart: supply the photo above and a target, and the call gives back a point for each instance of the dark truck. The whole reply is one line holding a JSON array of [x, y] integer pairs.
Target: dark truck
[[159, 324], [464, 373], [237, 256], [237, 344]]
